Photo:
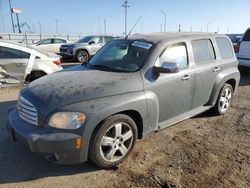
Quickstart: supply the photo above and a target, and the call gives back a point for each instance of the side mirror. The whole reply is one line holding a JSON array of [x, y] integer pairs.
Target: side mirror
[[167, 67], [91, 42]]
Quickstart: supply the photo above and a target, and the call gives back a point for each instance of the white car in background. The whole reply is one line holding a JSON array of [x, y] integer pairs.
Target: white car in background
[[20, 63], [50, 44], [243, 50]]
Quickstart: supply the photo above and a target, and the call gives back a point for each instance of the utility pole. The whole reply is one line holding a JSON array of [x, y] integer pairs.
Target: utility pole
[[165, 19], [56, 25], [18, 24], [105, 27], [12, 21], [126, 6]]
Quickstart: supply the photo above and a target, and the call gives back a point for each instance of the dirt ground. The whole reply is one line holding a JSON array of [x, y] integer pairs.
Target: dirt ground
[[205, 151]]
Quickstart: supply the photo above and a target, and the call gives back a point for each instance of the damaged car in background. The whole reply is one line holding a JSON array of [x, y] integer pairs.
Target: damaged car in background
[[20, 63]]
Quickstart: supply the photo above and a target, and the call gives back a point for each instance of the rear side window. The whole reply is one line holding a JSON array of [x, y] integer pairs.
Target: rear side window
[[246, 36], [225, 48], [203, 51], [10, 53]]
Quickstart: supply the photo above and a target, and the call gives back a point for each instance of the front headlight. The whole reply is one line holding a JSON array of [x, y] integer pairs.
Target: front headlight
[[67, 120]]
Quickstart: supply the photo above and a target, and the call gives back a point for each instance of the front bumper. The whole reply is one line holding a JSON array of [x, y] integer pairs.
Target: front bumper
[[56, 146]]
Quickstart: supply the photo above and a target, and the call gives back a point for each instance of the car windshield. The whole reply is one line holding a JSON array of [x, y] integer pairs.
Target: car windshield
[[85, 39], [121, 56]]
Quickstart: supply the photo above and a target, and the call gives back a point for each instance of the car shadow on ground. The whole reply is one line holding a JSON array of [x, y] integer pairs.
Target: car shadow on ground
[[18, 164], [245, 77]]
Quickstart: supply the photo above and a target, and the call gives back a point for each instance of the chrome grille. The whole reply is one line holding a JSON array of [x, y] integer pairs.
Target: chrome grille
[[27, 111]]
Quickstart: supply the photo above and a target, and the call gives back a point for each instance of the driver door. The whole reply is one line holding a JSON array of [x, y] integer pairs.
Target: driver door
[[173, 90]]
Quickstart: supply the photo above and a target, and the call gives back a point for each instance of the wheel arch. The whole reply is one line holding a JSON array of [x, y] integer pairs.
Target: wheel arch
[[231, 77], [133, 114]]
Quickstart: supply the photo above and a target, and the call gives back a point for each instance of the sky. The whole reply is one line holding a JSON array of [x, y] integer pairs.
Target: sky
[[83, 17]]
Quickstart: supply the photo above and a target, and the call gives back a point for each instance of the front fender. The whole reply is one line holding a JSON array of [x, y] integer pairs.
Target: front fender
[[97, 110], [221, 79]]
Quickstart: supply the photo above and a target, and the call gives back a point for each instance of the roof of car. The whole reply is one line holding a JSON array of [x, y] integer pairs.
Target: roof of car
[[13, 42], [159, 37]]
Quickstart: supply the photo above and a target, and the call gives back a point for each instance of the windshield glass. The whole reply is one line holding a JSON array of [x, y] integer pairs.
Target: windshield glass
[[85, 39], [122, 56]]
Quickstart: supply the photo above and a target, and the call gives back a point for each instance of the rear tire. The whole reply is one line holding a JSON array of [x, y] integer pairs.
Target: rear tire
[[113, 141], [82, 56], [224, 100]]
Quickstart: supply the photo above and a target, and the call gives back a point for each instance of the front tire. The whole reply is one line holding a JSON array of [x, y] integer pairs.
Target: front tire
[[82, 56], [224, 100], [113, 141]]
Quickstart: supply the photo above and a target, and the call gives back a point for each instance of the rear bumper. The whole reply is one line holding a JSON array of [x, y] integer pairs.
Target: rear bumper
[[244, 62], [56, 146]]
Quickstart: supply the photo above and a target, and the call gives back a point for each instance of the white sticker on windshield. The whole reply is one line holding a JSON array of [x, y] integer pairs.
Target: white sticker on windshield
[[142, 45]]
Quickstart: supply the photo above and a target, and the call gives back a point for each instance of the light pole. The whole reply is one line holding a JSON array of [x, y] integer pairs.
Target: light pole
[[1, 9], [126, 6], [209, 23], [56, 25], [105, 28], [12, 21], [165, 19], [40, 27], [99, 26]]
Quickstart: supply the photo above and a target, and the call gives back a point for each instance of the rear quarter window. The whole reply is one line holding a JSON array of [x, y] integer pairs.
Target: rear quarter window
[[203, 51], [225, 47]]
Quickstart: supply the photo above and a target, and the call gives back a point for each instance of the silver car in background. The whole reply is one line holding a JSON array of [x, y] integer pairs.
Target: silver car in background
[[84, 48]]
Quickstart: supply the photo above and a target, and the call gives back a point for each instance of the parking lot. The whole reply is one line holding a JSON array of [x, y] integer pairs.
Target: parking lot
[[205, 151]]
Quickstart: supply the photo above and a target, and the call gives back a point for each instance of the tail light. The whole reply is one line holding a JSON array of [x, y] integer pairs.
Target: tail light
[[237, 47], [57, 62]]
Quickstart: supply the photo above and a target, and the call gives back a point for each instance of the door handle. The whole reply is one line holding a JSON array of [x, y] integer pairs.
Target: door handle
[[216, 69], [186, 77]]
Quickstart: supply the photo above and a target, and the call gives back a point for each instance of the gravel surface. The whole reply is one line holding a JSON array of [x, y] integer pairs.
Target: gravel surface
[[205, 151]]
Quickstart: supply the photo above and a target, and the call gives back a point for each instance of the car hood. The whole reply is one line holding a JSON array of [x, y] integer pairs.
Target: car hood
[[78, 84]]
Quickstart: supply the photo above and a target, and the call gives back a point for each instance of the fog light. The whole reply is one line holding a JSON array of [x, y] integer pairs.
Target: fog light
[[78, 143]]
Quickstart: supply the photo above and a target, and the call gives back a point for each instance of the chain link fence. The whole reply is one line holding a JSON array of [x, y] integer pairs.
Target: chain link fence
[[28, 38]]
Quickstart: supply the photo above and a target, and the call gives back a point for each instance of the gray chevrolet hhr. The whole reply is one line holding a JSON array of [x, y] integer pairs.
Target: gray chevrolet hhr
[[130, 88]]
